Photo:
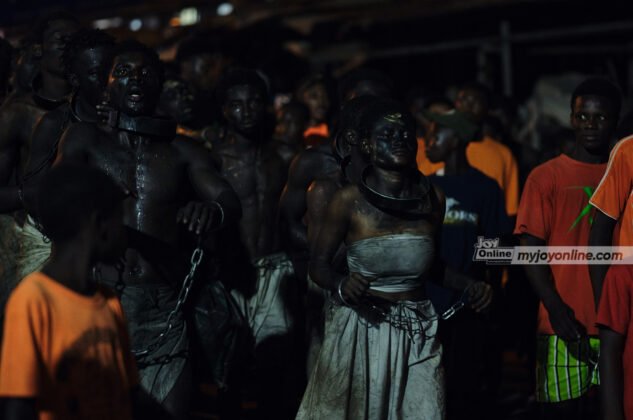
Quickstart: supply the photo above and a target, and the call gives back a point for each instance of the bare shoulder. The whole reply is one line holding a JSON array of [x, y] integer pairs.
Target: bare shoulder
[[347, 195], [321, 191], [188, 146], [82, 132]]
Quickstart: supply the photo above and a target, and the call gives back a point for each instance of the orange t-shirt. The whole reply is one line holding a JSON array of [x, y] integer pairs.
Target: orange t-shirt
[[68, 351], [321, 130], [555, 207], [613, 195], [492, 158], [424, 164]]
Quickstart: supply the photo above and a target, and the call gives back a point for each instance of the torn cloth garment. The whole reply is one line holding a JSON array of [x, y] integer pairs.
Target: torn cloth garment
[[146, 309], [268, 311], [35, 249], [378, 369]]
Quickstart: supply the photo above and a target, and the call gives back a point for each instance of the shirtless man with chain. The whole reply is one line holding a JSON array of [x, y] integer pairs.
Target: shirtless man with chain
[[174, 194]]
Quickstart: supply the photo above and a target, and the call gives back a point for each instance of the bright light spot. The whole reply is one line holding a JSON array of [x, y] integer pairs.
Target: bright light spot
[[114, 22], [189, 16], [135, 24], [225, 9]]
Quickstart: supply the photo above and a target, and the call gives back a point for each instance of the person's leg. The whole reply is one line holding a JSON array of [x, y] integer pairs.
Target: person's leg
[[178, 401]]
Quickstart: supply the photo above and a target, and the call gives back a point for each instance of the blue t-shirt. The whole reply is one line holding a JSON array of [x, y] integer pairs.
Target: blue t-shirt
[[475, 207]]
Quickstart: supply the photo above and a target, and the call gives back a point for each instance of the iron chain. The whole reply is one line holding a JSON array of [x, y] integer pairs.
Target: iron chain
[[196, 259]]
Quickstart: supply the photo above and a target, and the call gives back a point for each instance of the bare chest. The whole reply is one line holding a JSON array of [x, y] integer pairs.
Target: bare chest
[[149, 170]]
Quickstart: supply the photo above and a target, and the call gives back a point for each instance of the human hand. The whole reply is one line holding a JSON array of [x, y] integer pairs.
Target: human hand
[[106, 114], [354, 287], [564, 322], [479, 295], [198, 217]]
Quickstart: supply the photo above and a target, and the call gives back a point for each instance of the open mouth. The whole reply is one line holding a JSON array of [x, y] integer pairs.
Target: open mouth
[[135, 95]]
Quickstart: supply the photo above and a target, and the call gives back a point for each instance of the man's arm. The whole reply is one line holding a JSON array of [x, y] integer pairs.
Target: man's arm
[[292, 204], [331, 236], [40, 159], [318, 197], [611, 374], [601, 235], [210, 188], [561, 316], [19, 409]]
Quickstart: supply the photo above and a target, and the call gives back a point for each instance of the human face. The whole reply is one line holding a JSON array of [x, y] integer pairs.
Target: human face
[[290, 126], [440, 143], [89, 73], [318, 102], [133, 84], [593, 120], [244, 108], [177, 101], [53, 42], [472, 103], [392, 143]]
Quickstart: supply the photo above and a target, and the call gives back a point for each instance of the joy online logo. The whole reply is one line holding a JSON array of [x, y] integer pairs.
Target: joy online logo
[[488, 250]]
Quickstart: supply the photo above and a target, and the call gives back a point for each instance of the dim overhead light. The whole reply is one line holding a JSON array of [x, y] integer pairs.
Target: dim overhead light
[[135, 24], [225, 9]]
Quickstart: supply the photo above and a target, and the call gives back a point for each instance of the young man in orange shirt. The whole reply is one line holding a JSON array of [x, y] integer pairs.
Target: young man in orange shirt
[[485, 154], [66, 351], [555, 211]]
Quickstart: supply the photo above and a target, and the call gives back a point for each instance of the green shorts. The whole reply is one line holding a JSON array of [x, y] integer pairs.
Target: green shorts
[[565, 370]]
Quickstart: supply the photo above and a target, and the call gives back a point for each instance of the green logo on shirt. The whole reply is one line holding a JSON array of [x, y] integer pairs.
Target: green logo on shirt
[[586, 211]]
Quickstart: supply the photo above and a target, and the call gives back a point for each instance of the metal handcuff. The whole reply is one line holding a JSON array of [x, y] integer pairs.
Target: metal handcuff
[[447, 314]]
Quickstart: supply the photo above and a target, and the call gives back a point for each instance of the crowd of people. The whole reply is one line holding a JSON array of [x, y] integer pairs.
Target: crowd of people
[[170, 224]]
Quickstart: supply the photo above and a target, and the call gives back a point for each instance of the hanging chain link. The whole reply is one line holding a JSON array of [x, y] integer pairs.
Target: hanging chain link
[[196, 259]]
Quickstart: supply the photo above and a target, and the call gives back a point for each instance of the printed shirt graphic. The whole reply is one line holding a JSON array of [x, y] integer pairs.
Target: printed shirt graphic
[[555, 207], [474, 207], [614, 194], [69, 352]]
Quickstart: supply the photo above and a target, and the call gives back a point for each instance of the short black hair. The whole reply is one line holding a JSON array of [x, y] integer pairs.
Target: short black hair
[[238, 76], [42, 25], [84, 39], [354, 77], [599, 86], [353, 110], [70, 194], [378, 108], [479, 88], [133, 46]]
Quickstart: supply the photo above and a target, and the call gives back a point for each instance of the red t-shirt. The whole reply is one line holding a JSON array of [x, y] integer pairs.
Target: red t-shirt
[[555, 207], [616, 312]]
